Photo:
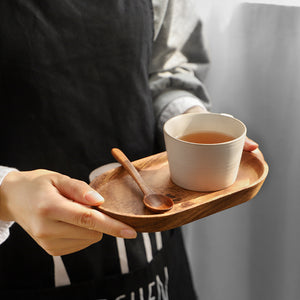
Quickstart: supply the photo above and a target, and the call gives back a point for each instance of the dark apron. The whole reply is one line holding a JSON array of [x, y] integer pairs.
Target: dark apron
[[74, 84], [165, 277]]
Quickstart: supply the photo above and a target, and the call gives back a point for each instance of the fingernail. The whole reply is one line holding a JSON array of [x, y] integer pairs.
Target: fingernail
[[128, 233], [253, 146], [93, 197]]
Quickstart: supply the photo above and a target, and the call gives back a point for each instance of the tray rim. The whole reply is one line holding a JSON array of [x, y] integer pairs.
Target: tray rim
[[127, 216]]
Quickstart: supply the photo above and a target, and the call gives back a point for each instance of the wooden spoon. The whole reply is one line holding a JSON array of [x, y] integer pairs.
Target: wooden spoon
[[155, 202]]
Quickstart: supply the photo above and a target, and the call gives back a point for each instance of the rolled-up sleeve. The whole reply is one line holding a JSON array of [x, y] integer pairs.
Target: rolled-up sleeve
[[179, 61]]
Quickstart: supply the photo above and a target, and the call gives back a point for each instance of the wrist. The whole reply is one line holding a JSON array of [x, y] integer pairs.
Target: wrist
[[6, 186], [196, 109]]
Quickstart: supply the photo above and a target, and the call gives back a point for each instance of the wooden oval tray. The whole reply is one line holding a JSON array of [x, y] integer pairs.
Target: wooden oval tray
[[123, 198]]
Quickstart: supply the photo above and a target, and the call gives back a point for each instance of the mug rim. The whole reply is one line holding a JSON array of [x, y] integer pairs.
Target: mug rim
[[189, 115]]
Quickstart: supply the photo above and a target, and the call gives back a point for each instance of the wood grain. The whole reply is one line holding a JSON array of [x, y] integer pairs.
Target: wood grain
[[123, 198]]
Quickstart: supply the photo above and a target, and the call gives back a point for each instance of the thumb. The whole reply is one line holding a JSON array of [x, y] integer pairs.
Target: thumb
[[77, 190], [250, 145]]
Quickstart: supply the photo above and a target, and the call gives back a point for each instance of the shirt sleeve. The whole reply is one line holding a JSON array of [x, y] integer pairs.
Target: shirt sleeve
[[4, 225], [179, 59]]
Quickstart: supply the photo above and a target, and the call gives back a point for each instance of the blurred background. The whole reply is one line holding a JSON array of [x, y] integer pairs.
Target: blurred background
[[252, 251]]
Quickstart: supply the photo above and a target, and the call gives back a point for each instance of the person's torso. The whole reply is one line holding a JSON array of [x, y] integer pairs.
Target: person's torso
[[74, 84]]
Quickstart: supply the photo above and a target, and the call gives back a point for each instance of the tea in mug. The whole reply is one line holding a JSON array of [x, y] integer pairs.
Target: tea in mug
[[207, 137]]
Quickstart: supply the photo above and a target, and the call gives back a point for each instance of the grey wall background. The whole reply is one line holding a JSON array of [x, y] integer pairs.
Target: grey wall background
[[252, 251]]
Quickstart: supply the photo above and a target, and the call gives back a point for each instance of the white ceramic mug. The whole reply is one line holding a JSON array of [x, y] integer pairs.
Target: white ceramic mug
[[204, 167]]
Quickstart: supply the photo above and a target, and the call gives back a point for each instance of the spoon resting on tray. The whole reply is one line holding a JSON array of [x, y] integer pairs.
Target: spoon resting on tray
[[157, 203]]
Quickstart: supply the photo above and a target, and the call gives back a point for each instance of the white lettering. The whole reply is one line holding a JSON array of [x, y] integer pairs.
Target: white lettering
[[141, 291], [150, 285], [162, 291]]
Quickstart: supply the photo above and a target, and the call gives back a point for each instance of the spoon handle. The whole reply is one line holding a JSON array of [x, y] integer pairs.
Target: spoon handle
[[126, 163]]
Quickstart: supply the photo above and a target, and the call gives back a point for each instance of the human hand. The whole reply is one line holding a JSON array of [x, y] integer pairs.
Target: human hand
[[249, 145], [56, 212]]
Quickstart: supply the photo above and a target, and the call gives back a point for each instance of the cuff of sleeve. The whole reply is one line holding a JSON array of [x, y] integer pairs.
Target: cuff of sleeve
[[173, 103], [164, 99], [5, 225], [4, 171], [4, 230]]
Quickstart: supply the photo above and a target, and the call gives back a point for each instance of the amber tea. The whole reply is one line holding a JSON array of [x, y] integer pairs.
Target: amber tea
[[207, 137]]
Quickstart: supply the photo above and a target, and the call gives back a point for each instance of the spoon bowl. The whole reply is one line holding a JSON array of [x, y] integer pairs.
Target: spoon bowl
[[157, 203]]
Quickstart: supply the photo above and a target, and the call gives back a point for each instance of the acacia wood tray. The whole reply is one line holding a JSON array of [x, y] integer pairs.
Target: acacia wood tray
[[123, 198]]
